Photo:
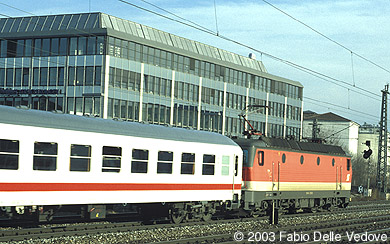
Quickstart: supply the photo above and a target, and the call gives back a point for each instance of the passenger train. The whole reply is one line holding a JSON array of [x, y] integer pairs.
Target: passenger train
[[52, 162]]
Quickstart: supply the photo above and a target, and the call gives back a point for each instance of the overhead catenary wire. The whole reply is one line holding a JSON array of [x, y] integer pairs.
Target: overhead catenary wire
[[367, 118], [211, 32], [204, 29], [339, 106], [326, 37]]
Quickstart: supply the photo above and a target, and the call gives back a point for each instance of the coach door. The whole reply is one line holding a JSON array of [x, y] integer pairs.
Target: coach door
[[339, 177], [275, 173]]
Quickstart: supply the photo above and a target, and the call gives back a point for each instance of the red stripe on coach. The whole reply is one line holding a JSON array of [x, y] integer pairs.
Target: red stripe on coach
[[23, 187]]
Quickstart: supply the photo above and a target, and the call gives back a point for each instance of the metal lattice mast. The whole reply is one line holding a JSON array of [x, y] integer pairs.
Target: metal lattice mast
[[382, 146]]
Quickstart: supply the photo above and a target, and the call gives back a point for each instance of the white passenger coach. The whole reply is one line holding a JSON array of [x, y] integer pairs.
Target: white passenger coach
[[48, 160]]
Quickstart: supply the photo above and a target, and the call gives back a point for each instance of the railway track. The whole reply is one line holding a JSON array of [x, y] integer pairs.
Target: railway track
[[215, 231]]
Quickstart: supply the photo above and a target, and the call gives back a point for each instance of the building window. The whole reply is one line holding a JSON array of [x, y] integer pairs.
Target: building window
[[187, 163], [73, 46], [63, 46], [111, 159], [9, 154], [139, 164], [208, 164], [164, 164], [10, 77], [45, 156], [80, 158], [53, 76]]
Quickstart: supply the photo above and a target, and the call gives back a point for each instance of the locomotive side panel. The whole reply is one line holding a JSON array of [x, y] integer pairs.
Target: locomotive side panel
[[294, 178]]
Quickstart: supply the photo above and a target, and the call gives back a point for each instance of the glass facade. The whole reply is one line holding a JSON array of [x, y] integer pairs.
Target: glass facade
[[188, 84]]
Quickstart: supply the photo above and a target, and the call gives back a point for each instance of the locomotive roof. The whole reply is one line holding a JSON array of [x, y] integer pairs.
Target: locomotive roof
[[27, 117], [292, 145]]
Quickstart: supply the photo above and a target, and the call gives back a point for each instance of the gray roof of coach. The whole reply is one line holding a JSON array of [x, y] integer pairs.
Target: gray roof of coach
[[17, 116], [292, 145]]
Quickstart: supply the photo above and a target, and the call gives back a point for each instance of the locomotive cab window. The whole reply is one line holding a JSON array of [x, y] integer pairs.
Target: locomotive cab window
[[348, 164], [9, 154], [164, 163], [187, 164], [139, 164], [45, 156], [111, 159], [208, 164], [260, 158], [80, 158]]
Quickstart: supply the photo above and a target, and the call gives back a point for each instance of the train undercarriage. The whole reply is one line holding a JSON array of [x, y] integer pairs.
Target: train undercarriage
[[259, 203], [175, 212], [253, 204]]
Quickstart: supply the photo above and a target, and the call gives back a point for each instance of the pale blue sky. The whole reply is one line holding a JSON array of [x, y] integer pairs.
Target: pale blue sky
[[361, 25]]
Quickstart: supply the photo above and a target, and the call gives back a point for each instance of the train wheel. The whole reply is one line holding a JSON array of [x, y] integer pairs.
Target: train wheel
[[207, 217], [177, 215]]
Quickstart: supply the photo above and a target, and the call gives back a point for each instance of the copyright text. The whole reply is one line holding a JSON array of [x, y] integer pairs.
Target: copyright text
[[281, 236]]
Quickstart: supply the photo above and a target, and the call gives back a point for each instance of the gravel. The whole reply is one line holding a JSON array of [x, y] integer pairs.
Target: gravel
[[180, 232]]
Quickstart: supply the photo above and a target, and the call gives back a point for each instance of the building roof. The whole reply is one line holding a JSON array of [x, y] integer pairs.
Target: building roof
[[18, 116], [310, 115], [101, 24], [93, 23]]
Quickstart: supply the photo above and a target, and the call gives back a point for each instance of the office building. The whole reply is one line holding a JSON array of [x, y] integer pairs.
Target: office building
[[100, 65]]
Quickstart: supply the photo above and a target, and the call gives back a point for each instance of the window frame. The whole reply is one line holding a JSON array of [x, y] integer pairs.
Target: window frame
[[208, 165], [164, 162], [140, 160], [76, 159], [46, 158], [187, 160], [9, 154], [109, 157], [225, 165]]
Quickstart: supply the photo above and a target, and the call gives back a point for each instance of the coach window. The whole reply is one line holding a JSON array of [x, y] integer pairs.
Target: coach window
[[187, 163], [260, 158], [9, 154], [45, 156], [111, 159], [348, 164], [208, 164], [139, 164], [225, 165], [80, 158], [164, 164]]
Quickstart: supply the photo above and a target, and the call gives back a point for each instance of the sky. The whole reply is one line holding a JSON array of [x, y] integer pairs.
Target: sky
[[362, 27]]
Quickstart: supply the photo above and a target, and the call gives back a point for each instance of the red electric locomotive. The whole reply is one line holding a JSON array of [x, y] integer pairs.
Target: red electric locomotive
[[293, 175]]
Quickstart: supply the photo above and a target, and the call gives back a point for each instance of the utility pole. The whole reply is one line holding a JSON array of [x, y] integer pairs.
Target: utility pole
[[315, 131], [382, 146]]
